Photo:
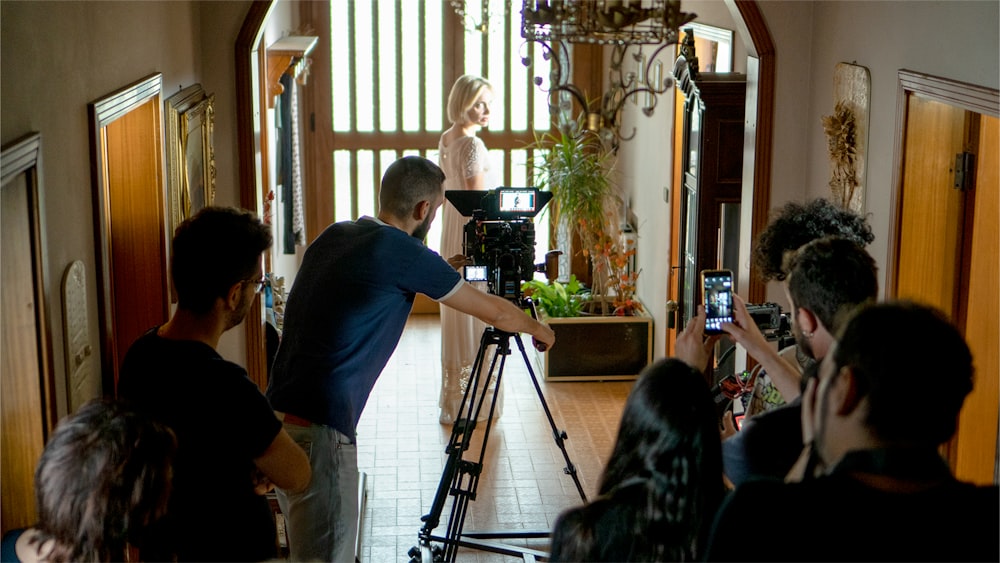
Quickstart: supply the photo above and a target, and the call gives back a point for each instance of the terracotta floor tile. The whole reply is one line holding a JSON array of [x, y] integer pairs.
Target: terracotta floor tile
[[522, 486]]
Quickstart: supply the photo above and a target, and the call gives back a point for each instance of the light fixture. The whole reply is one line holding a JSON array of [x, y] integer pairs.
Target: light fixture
[[625, 25], [480, 15]]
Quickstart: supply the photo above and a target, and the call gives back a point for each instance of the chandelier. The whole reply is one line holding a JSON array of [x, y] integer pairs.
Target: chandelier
[[625, 25], [480, 15]]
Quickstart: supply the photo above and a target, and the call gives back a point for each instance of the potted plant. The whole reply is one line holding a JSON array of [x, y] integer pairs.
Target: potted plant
[[606, 334], [577, 167]]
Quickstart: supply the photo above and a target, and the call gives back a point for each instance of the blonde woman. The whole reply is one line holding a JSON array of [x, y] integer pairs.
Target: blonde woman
[[465, 161]]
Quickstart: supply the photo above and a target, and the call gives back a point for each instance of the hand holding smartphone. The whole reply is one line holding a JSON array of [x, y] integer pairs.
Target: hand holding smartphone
[[717, 297]]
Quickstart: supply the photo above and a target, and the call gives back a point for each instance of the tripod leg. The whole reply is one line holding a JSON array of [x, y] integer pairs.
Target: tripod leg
[[453, 477], [559, 435]]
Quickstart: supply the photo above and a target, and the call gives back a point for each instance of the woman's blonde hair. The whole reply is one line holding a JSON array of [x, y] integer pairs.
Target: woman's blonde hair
[[463, 94]]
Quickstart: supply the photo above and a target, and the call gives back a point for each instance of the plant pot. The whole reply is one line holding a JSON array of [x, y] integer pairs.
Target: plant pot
[[598, 348]]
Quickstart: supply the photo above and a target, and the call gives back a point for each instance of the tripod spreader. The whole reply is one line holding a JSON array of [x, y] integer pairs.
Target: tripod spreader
[[460, 477]]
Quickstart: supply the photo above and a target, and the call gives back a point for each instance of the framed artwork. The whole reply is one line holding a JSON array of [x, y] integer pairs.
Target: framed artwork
[[190, 152]]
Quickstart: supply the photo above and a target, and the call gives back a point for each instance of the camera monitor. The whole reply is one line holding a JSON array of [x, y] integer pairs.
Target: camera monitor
[[476, 273], [499, 203]]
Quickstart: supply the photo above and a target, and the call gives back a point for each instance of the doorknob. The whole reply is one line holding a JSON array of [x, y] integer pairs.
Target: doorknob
[[671, 316]]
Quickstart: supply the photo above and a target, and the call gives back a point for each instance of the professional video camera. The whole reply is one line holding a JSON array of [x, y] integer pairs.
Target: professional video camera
[[729, 385], [500, 236], [772, 322]]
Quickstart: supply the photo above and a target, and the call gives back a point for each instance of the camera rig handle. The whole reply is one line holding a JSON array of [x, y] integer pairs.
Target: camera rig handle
[[528, 306], [551, 265]]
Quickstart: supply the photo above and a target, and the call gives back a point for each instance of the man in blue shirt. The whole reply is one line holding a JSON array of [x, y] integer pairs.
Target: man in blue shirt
[[343, 319]]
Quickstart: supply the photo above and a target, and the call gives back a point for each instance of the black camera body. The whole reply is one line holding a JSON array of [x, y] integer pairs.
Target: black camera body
[[499, 239]]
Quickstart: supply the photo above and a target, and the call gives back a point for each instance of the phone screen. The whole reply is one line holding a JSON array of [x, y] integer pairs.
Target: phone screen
[[717, 296]]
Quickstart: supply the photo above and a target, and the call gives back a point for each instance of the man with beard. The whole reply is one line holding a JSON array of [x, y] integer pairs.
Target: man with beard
[[231, 448], [343, 319], [791, 226], [825, 280], [888, 394]]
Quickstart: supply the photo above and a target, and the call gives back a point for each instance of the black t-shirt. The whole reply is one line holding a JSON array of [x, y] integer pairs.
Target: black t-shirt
[[837, 518], [222, 422], [766, 447]]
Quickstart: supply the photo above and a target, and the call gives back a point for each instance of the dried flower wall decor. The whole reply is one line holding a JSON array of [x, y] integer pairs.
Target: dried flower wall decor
[[841, 145], [847, 135]]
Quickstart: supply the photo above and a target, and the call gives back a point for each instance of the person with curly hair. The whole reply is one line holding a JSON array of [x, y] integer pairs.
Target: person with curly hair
[[103, 478], [663, 482], [825, 280], [794, 224]]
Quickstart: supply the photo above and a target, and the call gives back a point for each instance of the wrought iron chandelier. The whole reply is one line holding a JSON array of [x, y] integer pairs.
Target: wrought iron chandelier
[[625, 25], [480, 15]]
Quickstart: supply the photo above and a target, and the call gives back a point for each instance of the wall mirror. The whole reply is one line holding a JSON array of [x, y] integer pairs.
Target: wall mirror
[[713, 46]]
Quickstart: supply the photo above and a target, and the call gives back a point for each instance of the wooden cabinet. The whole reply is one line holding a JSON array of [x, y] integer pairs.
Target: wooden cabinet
[[712, 171]]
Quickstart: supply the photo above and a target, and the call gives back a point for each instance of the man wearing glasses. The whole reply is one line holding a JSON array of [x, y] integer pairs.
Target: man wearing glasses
[[231, 447]]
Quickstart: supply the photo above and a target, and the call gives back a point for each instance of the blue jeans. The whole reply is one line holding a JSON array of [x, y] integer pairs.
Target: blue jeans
[[322, 520]]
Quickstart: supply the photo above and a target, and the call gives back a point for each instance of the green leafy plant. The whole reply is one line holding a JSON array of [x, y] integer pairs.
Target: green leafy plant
[[577, 167], [556, 299]]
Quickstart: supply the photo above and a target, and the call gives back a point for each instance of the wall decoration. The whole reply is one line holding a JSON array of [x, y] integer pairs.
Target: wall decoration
[[847, 135], [190, 152]]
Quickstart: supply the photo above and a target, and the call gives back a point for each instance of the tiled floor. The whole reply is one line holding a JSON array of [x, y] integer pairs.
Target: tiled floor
[[523, 486]]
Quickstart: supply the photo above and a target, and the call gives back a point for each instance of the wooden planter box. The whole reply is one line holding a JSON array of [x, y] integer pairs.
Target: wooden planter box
[[598, 348]]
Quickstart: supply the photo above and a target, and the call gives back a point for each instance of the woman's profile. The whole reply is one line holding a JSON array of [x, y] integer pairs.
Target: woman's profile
[[465, 161]]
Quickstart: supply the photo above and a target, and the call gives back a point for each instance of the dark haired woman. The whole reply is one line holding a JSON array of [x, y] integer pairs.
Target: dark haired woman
[[663, 482]]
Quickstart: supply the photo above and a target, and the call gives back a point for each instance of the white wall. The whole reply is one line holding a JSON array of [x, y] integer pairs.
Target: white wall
[[954, 40], [58, 57], [645, 166]]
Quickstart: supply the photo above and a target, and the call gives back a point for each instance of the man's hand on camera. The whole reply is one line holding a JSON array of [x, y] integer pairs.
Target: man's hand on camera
[[691, 346], [545, 340], [457, 261]]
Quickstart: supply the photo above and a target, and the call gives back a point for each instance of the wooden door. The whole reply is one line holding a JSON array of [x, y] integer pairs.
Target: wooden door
[[676, 193], [976, 448], [944, 245], [130, 216], [932, 210], [26, 384]]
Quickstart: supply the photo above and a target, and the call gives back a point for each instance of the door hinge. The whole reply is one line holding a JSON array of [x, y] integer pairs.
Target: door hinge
[[965, 171], [312, 122]]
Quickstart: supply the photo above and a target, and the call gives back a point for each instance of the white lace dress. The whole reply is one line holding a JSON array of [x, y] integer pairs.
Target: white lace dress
[[464, 158]]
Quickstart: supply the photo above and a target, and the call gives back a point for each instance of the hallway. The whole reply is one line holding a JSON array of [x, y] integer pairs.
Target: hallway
[[523, 486]]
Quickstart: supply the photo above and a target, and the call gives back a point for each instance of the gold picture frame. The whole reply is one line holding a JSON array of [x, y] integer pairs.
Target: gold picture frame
[[190, 152]]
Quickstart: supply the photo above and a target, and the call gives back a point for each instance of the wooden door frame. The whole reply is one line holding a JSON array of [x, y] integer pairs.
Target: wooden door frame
[[102, 112], [759, 119], [249, 109], [23, 156], [21, 159], [977, 99], [969, 97]]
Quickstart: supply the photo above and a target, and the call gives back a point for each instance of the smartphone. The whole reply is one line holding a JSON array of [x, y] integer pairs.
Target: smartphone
[[717, 297]]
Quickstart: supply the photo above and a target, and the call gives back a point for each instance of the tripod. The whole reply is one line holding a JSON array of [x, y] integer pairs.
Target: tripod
[[460, 477]]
